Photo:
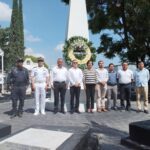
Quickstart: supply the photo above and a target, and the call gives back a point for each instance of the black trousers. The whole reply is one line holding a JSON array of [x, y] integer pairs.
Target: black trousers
[[18, 93], [59, 93], [90, 95], [125, 94], [74, 94]]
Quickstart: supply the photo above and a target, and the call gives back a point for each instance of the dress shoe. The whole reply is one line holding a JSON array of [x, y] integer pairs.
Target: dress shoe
[[88, 110], [62, 111], [43, 113], [138, 110], [77, 111], [55, 111], [36, 113], [104, 109], [128, 108], [13, 115], [91, 110], [146, 111], [20, 114], [72, 111], [99, 110], [114, 108]]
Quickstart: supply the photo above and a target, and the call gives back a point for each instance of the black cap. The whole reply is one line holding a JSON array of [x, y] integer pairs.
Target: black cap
[[20, 60], [40, 59]]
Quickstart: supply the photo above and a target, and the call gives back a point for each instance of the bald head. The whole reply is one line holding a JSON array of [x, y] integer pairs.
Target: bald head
[[60, 62]]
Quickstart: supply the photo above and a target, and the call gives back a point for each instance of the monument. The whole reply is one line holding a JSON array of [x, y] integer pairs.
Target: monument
[[77, 45], [77, 23]]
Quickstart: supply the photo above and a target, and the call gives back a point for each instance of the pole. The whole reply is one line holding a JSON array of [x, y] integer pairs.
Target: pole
[[2, 73]]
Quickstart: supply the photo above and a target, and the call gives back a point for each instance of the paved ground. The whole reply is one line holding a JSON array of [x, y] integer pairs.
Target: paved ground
[[111, 125]]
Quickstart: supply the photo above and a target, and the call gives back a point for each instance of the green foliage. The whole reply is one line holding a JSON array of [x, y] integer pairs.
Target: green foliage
[[4, 40], [21, 29], [34, 59], [16, 36], [124, 30]]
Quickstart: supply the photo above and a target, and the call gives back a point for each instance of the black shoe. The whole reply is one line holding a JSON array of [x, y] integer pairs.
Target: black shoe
[[109, 109], [146, 111], [13, 115], [122, 108], [77, 111], [114, 108], [55, 111], [20, 114], [72, 111], [128, 108], [62, 111]]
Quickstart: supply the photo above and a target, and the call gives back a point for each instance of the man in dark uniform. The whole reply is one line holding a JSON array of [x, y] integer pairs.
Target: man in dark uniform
[[18, 80]]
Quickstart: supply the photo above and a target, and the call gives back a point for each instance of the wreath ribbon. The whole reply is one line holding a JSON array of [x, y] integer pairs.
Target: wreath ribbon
[[83, 61]]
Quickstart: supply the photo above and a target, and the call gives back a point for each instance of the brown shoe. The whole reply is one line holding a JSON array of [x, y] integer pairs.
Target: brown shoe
[[104, 110], [88, 110], [99, 110], [91, 111]]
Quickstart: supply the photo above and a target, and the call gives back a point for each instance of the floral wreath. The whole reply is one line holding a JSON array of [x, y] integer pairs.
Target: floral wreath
[[80, 49]]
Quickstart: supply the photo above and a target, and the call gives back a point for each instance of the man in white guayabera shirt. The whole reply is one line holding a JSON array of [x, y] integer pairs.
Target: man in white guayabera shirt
[[59, 78], [125, 77], [141, 78], [101, 87], [75, 80], [40, 83]]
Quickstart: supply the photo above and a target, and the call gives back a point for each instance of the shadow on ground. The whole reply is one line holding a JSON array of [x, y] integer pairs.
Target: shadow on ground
[[108, 138]]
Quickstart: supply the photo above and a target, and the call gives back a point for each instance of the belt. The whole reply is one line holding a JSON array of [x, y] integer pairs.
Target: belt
[[111, 84], [59, 82], [124, 83], [40, 82]]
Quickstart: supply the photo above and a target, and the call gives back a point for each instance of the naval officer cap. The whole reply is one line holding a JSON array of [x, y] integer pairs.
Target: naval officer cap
[[40, 59], [19, 60]]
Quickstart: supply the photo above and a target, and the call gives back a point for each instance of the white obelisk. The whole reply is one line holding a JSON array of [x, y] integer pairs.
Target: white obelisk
[[78, 22]]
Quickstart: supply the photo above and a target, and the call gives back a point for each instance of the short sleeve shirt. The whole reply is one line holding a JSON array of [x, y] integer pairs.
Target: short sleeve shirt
[[40, 74]]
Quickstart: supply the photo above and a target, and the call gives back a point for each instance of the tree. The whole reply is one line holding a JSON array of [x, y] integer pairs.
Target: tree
[[34, 59], [4, 40], [16, 37], [129, 22], [21, 28]]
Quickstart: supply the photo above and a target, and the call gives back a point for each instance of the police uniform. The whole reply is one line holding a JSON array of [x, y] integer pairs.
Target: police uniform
[[40, 75], [19, 80]]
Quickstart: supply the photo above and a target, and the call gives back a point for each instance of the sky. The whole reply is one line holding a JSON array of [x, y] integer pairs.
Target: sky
[[45, 26]]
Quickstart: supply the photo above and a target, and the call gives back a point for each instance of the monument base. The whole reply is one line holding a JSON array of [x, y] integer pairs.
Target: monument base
[[5, 130], [48, 137], [139, 135]]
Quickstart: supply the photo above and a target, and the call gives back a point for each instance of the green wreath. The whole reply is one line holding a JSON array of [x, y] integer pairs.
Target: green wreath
[[80, 49]]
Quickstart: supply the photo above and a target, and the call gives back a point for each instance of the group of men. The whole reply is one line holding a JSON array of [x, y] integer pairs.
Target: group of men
[[100, 82]]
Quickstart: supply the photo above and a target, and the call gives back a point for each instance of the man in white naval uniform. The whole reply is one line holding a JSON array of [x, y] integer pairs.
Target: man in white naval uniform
[[40, 83]]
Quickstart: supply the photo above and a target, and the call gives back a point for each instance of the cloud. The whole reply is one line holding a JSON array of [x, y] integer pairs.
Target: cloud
[[5, 12], [31, 38], [30, 51], [59, 47]]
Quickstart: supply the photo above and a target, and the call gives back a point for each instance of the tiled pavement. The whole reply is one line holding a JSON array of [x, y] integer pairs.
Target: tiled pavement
[[111, 125]]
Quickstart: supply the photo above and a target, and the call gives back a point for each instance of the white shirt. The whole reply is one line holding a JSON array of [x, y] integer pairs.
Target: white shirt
[[59, 74], [102, 75], [125, 76], [40, 74], [75, 76]]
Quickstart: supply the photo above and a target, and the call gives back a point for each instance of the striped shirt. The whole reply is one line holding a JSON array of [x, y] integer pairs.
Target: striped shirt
[[90, 76]]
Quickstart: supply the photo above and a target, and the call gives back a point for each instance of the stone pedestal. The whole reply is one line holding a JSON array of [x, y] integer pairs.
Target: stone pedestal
[[139, 135], [47, 138], [5, 130]]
